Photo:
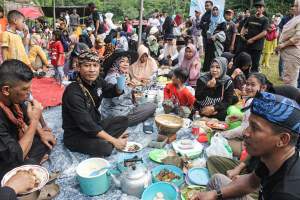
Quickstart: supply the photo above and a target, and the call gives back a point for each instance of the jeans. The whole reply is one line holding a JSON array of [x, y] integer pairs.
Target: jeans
[[59, 73]]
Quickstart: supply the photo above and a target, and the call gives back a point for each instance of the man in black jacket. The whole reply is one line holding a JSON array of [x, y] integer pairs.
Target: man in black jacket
[[84, 131], [204, 25]]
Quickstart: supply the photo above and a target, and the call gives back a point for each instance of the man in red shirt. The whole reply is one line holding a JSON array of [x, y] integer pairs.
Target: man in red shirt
[[176, 95]]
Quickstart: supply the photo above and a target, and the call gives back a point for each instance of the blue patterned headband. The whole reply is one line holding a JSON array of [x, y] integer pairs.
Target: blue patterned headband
[[277, 109]]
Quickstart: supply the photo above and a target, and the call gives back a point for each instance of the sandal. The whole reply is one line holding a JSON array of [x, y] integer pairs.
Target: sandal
[[49, 192], [53, 176]]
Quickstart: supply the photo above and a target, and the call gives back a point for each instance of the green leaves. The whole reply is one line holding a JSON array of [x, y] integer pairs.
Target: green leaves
[[120, 8]]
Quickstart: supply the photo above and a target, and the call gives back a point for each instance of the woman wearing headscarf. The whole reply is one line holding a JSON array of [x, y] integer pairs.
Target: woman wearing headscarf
[[169, 54], [289, 47], [143, 69], [122, 42], [191, 63], [216, 37], [214, 91], [37, 56], [109, 22], [168, 26], [153, 46], [116, 65]]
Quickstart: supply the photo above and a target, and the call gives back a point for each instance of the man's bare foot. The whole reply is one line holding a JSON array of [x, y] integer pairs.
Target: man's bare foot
[[44, 159]]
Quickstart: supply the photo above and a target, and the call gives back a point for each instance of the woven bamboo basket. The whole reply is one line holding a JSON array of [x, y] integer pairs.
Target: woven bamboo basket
[[168, 124]]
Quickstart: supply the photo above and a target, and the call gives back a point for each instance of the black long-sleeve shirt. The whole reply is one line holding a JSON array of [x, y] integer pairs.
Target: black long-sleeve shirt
[[206, 96], [11, 154], [204, 23], [80, 116]]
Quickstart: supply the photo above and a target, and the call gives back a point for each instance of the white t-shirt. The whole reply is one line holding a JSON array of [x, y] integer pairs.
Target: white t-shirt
[[154, 22]]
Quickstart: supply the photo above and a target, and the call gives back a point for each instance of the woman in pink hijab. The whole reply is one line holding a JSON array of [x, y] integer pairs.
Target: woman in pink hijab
[[289, 47], [191, 62]]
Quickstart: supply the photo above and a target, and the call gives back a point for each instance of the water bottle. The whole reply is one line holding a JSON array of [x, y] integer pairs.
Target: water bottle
[[196, 116], [195, 125]]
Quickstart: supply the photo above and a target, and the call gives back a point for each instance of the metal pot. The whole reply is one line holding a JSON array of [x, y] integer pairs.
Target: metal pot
[[134, 179]]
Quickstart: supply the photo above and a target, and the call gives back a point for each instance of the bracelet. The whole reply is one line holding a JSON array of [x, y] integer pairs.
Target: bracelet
[[219, 194]]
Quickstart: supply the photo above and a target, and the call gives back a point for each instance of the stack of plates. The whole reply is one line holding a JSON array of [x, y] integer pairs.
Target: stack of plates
[[197, 176]]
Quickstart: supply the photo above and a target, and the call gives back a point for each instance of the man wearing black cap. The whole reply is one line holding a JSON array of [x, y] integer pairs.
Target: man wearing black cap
[[84, 131], [254, 32], [274, 128]]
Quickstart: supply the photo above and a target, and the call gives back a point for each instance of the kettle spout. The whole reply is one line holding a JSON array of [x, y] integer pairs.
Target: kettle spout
[[116, 180]]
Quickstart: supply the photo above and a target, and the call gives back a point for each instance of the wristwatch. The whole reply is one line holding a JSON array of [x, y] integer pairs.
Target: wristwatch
[[219, 194]]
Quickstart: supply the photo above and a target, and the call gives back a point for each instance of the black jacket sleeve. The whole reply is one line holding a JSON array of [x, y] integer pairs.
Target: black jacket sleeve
[[74, 103], [7, 193], [227, 97], [205, 21]]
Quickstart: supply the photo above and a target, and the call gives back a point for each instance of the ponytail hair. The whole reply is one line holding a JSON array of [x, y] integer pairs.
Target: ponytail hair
[[263, 81]]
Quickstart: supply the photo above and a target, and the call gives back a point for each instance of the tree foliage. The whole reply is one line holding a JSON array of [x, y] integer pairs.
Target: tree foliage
[[130, 8]]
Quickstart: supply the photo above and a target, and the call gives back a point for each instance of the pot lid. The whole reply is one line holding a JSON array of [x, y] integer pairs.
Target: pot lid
[[136, 172]]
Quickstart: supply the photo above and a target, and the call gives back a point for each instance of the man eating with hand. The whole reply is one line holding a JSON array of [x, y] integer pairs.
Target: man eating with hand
[[23, 139]]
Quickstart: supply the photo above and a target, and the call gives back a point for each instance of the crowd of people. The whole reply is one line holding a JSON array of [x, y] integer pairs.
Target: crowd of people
[[102, 65]]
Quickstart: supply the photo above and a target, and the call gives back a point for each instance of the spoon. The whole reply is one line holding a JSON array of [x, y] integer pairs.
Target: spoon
[[97, 172]]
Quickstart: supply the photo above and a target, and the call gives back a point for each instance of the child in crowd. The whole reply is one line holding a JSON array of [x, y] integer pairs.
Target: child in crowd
[[218, 39], [178, 98], [257, 82], [169, 54], [269, 45], [100, 47], [91, 35], [12, 44], [57, 56], [37, 56]]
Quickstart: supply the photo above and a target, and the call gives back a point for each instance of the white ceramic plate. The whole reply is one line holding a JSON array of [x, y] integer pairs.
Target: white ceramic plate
[[129, 144], [39, 171]]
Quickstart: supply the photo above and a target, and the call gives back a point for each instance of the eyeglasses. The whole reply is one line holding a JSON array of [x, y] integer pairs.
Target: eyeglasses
[[215, 9]]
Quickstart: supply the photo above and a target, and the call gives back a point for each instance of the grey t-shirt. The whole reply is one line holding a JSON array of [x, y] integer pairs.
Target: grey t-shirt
[[74, 19]]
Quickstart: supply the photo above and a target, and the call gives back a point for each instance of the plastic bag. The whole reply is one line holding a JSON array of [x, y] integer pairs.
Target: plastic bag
[[219, 147]]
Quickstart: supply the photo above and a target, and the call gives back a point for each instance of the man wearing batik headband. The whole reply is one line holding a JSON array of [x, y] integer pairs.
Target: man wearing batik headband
[[84, 131], [274, 128]]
